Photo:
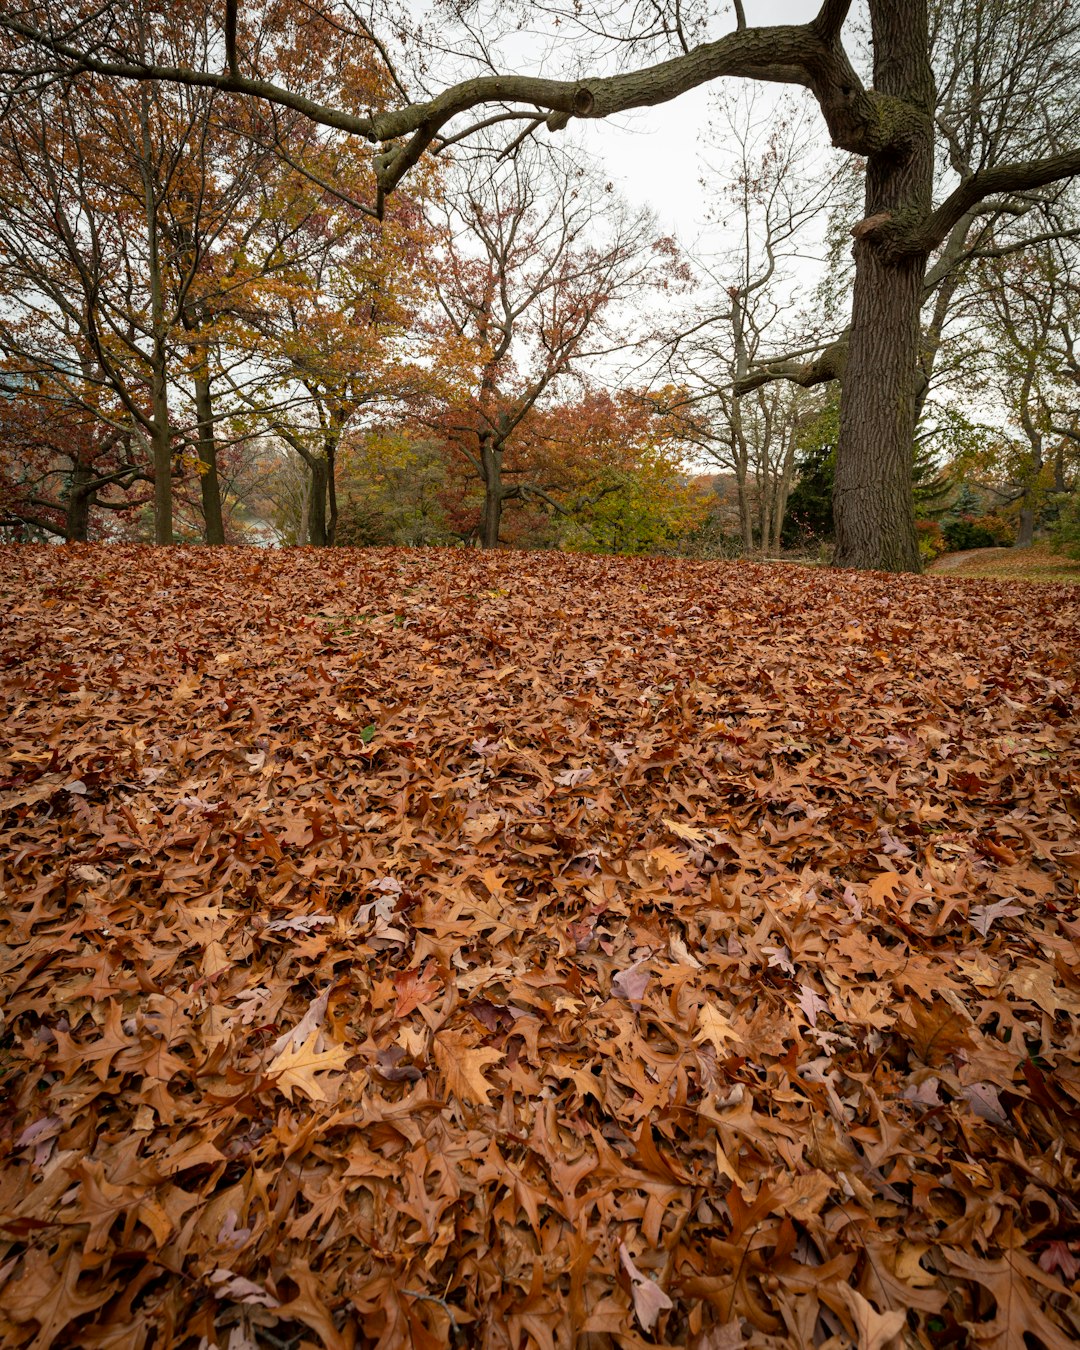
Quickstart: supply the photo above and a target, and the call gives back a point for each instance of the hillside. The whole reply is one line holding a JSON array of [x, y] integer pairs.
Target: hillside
[[444, 948]]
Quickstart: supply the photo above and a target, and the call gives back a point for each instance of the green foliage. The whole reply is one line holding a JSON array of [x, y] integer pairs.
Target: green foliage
[[930, 485], [1066, 536], [809, 507], [809, 514], [968, 531], [950, 435], [391, 490], [649, 509]]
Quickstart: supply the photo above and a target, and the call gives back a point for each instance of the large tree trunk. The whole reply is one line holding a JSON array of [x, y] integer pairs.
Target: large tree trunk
[[873, 506], [491, 463], [1025, 532], [206, 445], [79, 498]]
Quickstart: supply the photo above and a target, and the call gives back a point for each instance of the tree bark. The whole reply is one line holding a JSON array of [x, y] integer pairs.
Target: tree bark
[[783, 485], [331, 490], [161, 445], [317, 525], [304, 528], [491, 463], [79, 499], [1025, 532], [873, 505], [206, 445]]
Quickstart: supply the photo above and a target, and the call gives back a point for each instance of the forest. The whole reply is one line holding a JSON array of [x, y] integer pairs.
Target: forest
[[540, 753]]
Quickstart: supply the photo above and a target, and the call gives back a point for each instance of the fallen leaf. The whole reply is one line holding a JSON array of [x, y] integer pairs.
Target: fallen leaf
[[463, 1064], [649, 1299], [876, 1331], [295, 1068], [632, 982]]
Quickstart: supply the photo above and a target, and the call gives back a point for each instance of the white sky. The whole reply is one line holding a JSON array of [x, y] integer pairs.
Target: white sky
[[652, 155]]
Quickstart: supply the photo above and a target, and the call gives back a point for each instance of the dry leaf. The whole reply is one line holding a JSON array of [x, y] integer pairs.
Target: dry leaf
[[296, 1066], [348, 844], [649, 1299], [463, 1065], [876, 1331]]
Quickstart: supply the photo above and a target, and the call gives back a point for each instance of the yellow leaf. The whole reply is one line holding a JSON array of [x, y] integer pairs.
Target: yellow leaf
[[690, 833], [713, 1026], [296, 1067]]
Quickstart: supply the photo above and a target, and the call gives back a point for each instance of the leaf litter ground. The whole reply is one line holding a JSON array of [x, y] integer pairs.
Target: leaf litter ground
[[435, 948]]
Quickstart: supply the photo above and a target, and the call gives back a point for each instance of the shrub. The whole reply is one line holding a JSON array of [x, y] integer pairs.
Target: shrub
[[931, 540], [1067, 529], [969, 532], [1002, 531]]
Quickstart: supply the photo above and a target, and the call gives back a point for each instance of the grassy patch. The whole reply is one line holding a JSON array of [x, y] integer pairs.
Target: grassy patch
[[1038, 563]]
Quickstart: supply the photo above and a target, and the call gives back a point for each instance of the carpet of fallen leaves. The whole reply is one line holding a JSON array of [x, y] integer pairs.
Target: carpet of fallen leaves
[[435, 948]]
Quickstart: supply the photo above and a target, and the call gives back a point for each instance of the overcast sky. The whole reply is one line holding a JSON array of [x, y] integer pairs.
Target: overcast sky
[[653, 155]]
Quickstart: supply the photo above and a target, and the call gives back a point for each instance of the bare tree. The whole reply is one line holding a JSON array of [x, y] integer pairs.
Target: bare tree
[[772, 188]]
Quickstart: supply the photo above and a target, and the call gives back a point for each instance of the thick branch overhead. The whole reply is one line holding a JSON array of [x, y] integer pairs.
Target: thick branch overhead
[[809, 55]]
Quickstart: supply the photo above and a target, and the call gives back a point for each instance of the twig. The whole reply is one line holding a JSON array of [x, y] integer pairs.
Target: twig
[[434, 1298]]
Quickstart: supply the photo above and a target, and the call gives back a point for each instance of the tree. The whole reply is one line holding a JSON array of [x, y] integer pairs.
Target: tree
[[771, 192], [61, 465], [891, 122], [95, 278], [624, 487], [1032, 306], [536, 261]]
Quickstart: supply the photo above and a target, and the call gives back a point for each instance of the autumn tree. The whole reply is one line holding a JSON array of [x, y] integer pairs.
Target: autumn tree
[[393, 485], [535, 263], [328, 319], [61, 466], [1031, 309], [620, 464], [103, 234]]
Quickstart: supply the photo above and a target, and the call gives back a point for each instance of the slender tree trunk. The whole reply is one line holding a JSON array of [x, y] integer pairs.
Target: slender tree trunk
[[160, 438], [206, 444], [1033, 489], [317, 533], [491, 462], [331, 490], [304, 529], [161, 446], [783, 487], [746, 518], [79, 499], [739, 452], [873, 505]]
